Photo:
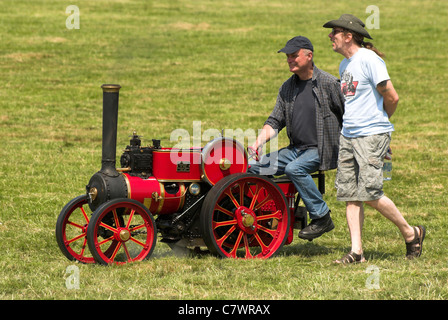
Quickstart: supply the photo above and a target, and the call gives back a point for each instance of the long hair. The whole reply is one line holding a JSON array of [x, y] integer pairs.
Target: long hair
[[359, 40]]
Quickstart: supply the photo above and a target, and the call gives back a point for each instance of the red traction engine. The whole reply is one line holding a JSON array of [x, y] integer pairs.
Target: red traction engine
[[197, 197]]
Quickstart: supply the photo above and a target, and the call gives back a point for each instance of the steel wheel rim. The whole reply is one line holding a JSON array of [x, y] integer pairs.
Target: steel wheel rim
[[250, 219], [121, 232], [71, 230]]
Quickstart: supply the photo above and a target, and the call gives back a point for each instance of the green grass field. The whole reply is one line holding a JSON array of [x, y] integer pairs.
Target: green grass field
[[180, 61]]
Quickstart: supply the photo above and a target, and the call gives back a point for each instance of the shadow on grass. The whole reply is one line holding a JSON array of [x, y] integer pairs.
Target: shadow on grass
[[305, 249], [311, 249]]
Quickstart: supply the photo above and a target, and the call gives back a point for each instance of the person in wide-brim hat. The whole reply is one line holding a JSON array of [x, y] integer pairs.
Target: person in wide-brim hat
[[349, 22], [370, 101]]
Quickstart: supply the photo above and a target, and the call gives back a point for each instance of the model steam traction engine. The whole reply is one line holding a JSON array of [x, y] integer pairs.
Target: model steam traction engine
[[193, 197]]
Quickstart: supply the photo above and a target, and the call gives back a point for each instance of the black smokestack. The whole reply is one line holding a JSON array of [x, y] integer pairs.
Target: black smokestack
[[107, 184], [110, 118]]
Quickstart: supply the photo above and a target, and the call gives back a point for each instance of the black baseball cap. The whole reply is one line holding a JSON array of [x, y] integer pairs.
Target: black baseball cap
[[297, 43]]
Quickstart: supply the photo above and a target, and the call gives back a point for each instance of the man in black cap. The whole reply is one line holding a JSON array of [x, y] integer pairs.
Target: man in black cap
[[310, 106]]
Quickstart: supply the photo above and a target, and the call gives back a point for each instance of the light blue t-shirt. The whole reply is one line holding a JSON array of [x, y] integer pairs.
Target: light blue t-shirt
[[364, 112]]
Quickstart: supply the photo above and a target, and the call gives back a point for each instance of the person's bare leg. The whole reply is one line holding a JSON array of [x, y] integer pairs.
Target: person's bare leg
[[355, 220], [388, 209]]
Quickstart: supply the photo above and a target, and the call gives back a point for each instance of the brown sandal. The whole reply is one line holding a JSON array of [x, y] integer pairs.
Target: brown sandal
[[351, 257], [414, 248]]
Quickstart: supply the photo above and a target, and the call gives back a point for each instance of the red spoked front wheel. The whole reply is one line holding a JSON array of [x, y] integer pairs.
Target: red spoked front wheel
[[245, 216], [71, 230], [121, 231]]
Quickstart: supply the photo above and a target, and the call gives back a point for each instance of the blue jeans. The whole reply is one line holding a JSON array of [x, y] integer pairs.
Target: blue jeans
[[298, 166]]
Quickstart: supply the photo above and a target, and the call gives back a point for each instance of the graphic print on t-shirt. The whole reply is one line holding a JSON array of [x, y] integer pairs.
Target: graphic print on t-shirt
[[348, 86]]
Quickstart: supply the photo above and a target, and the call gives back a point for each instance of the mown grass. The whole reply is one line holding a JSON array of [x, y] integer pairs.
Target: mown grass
[[214, 62]]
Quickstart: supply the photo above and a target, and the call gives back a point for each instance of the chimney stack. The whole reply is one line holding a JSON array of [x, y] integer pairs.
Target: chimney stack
[[110, 119]]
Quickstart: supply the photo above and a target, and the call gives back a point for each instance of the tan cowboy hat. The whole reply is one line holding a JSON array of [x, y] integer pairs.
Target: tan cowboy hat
[[349, 22]]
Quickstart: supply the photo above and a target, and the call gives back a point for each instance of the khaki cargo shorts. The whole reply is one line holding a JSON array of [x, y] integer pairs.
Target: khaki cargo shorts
[[360, 167]]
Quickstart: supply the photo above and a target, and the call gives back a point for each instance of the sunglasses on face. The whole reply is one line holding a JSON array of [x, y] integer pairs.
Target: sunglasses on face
[[336, 31]]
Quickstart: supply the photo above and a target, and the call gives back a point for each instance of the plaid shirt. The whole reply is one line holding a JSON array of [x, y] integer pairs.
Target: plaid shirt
[[329, 103]]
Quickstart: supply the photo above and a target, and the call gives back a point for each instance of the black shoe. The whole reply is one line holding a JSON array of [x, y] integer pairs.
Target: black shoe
[[317, 227]]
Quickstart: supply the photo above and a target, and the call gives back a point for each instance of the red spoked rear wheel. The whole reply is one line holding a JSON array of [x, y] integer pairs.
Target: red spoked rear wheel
[[121, 231], [71, 230], [245, 216]]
